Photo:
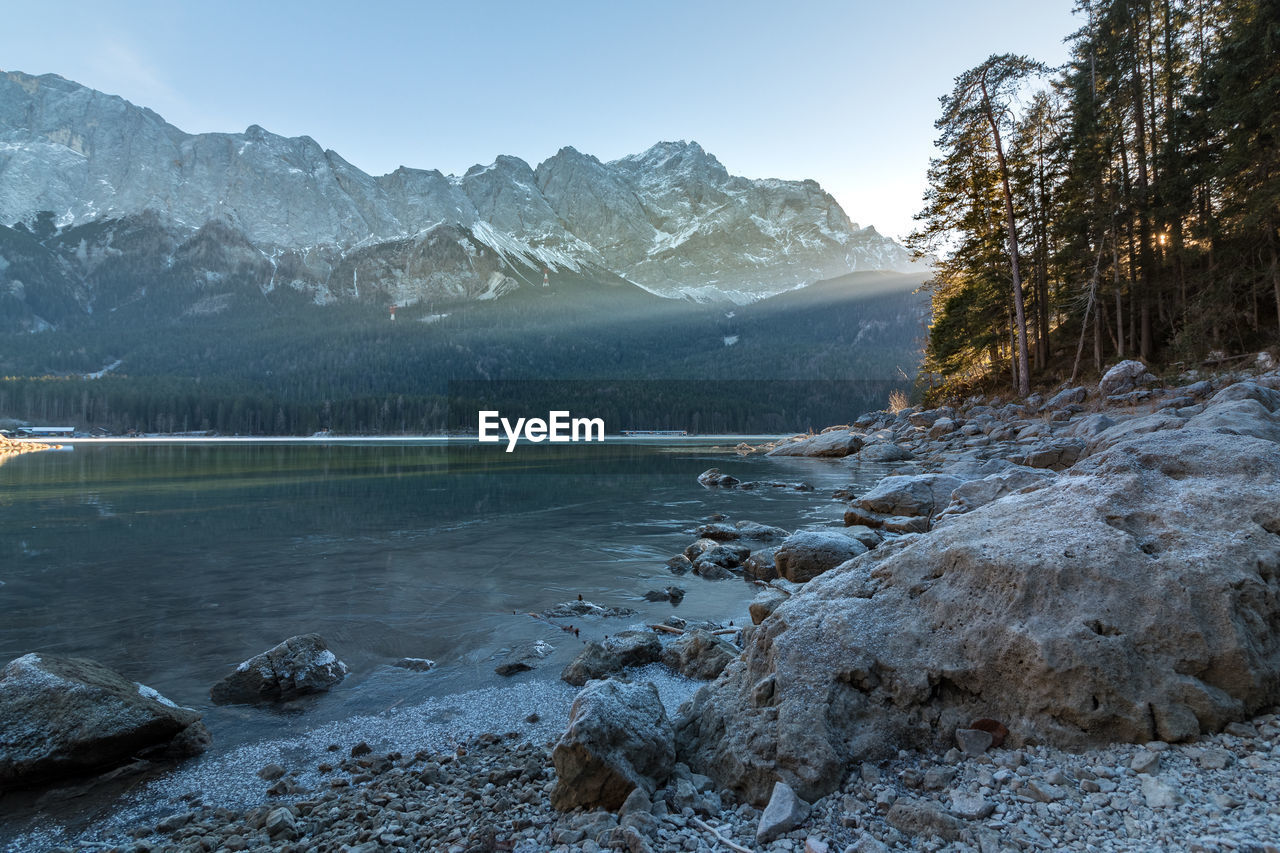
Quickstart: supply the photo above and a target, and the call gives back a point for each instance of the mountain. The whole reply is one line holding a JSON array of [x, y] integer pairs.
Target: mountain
[[105, 204]]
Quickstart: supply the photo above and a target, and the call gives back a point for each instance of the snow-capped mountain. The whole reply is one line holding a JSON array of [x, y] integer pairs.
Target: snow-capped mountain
[[671, 219]]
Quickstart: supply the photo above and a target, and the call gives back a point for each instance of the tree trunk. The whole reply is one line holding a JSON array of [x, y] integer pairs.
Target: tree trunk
[[1024, 378], [1144, 222]]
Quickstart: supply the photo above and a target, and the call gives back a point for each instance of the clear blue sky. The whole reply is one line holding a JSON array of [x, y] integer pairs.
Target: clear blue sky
[[842, 92]]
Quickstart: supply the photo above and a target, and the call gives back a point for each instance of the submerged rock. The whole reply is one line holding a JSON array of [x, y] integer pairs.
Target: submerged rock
[[63, 716], [298, 666], [524, 657], [1130, 599], [619, 739], [580, 608], [713, 477]]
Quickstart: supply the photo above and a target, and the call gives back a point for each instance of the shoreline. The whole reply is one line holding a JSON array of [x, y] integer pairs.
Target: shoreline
[[1214, 793]]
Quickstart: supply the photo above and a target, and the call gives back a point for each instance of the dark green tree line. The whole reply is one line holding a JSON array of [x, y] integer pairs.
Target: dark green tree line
[[1142, 211]]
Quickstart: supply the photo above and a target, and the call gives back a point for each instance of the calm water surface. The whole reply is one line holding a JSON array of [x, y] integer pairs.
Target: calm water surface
[[171, 563]]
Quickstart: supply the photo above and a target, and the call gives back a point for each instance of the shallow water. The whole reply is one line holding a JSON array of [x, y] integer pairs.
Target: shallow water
[[173, 562]]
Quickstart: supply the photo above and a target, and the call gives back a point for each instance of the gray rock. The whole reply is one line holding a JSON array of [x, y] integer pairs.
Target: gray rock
[[698, 654], [674, 594], [415, 664], [760, 532], [713, 478], [296, 667], [922, 817], [806, 554], [1074, 610], [1245, 416], [1267, 397], [1091, 425], [1124, 377], [761, 565], [679, 564], [1043, 791], [619, 739], [719, 532], [586, 609], [1059, 454], [63, 716], [699, 547], [885, 451], [910, 494], [765, 603], [867, 843], [1145, 761], [941, 427], [523, 657], [1066, 397], [1215, 759], [970, 806], [280, 823], [969, 496], [836, 443], [973, 741], [1159, 794], [784, 812], [613, 654]]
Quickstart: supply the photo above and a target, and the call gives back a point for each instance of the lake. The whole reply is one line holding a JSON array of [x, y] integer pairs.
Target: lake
[[173, 562]]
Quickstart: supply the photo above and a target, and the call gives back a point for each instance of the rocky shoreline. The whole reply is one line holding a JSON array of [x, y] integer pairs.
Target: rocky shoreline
[[1052, 628]]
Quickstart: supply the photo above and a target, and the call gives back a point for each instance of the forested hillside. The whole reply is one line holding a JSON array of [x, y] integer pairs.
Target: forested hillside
[[1134, 194], [277, 364]]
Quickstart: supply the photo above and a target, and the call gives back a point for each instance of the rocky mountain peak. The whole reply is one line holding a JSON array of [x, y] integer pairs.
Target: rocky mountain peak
[[671, 219]]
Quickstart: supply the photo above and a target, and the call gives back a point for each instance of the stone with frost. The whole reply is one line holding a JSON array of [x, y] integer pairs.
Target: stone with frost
[[910, 494], [922, 817], [613, 654], [975, 493], [885, 451], [1066, 397], [1136, 588], [698, 654], [1124, 377], [63, 716], [837, 443], [806, 554], [619, 739], [298, 666]]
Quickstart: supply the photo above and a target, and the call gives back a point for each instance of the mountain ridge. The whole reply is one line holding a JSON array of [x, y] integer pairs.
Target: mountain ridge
[[670, 219]]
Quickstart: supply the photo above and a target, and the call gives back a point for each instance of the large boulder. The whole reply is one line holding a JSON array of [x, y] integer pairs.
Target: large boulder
[[884, 451], [61, 716], [298, 666], [619, 739], [1241, 416], [836, 443], [806, 554], [1125, 377], [910, 494], [1134, 598]]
